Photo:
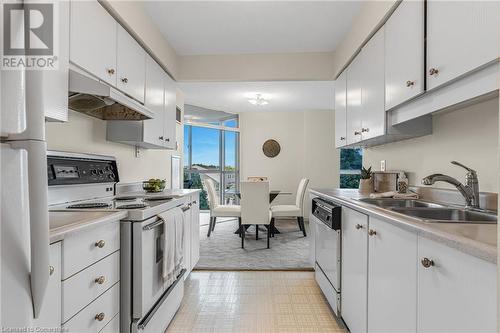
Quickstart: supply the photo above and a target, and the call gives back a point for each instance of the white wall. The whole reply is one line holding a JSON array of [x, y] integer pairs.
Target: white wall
[[469, 135], [307, 149], [85, 134]]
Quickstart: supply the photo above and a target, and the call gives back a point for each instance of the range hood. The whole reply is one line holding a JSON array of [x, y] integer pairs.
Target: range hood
[[97, 99]]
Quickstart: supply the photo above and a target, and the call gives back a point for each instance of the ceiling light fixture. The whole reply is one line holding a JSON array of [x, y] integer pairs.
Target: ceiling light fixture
[[258, 100]]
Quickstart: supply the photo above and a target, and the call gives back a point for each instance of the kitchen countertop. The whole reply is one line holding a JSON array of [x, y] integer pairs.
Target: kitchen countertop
[[479, 240], [62, 223]]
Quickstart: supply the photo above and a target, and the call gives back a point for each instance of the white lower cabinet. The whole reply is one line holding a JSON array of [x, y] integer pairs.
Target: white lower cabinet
[[392, 278], [396, 281], [50, 315], [456, 292], [354, 270]]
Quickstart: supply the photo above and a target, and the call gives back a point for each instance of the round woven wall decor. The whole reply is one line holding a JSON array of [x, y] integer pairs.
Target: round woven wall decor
[[271, 148]]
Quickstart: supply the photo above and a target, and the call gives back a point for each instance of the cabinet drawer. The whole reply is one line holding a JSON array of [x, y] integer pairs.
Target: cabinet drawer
[[83, 249], [107, 305], [113, 326], [82, 288]]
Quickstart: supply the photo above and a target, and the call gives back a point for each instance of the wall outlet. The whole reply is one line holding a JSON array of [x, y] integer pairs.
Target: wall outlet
[[382, 165]]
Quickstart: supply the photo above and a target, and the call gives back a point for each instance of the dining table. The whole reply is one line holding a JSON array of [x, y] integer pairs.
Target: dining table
[[272, 195]]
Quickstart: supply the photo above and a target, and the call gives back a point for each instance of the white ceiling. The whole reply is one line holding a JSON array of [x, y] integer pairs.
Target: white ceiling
[[242, 27], [283, 96]]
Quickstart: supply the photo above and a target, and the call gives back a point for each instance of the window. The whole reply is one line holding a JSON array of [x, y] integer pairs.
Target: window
[[211, 151], [351, 161]]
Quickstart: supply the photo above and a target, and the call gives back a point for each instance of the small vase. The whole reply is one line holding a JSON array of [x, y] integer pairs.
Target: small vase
[[366, 186]]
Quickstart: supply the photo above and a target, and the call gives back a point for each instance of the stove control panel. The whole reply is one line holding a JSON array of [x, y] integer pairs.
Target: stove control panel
[[68, 170]]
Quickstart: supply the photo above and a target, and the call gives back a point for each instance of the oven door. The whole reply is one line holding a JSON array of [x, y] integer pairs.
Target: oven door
[[327, 244], [147, 260]]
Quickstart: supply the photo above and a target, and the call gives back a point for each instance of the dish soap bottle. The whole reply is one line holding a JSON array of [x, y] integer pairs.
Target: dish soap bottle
[[402, 183]]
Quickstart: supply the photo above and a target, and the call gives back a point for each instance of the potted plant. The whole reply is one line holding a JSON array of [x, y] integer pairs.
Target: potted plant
[[366, 181]]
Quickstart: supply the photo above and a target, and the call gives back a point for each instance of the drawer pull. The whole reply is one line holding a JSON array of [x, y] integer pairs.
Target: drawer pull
[[100, 280], [433, 71], [427, 263], [124, 80], [99, 316], [100, 244], [372, 232], [111, 71], [410, 83], [357, 132], [359, 226]]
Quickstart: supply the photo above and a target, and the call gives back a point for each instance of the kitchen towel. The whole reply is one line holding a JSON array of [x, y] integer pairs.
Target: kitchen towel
[[173, 243]]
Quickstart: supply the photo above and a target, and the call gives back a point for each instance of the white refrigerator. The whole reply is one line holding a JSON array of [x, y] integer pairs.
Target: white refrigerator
[[24, 224]]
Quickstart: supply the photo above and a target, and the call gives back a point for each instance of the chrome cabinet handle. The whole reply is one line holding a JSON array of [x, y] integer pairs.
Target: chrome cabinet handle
[[359, 226], [363, 130], [410, 83], [100, 280], [372, 232], [111, 71], [342, 138], [167, 139], [124, 80], [99, 316], [51, 270], [433, 71], [100, 244], [427, 263], [357, 133], [160, 137]]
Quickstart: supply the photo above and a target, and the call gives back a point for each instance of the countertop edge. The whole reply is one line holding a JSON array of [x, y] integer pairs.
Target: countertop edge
[[58, 234], [469, 246]]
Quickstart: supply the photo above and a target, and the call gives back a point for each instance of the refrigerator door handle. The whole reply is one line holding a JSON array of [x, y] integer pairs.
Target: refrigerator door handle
[[39, 219]]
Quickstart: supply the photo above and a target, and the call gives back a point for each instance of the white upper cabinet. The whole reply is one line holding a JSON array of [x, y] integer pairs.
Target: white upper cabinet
[[372, 87], [404, 53], [456, 292], [392, 278], [93, 34], [154, 100], [340, 110], [130, 66], [354, 102], [461, 36], [169, 120]]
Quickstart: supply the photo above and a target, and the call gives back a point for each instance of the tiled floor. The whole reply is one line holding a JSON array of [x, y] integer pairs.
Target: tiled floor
[[253, 301]]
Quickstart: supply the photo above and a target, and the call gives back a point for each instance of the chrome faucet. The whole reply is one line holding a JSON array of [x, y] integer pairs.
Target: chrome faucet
[[470, 190]]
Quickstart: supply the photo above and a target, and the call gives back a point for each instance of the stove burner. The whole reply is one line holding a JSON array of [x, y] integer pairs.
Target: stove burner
[[89, 205], [125, 198], [132, 206], [157, 198]]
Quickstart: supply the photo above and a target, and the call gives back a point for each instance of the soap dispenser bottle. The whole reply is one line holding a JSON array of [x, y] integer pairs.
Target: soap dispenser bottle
[[402, 183]]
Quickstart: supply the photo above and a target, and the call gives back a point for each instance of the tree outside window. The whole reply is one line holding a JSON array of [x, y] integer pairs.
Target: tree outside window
[[351, 161]]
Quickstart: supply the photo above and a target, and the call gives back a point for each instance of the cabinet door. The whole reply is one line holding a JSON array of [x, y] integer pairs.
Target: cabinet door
[[354, 270], [354, 79], [131, 66], [461, 36], [169, 118], [392, 278], [93, 40], [55, 82], [50, 315], [154, 100], [195, 230], [457, 293], [187, 241], [372, 91], [404, 53], [340, 110]]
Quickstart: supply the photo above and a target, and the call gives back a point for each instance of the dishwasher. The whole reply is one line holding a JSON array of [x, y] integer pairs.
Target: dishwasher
[[327, 218]]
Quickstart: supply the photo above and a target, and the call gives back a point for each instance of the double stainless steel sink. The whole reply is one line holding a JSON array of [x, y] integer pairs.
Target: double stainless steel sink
[[434, 212]]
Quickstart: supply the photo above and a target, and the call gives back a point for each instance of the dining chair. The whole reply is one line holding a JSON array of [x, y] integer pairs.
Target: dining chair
[[255, 208], [296, 210], [257, 179], [217, 210]]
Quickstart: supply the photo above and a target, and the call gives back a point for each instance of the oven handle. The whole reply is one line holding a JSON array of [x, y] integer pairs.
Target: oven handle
[[160, 221]]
